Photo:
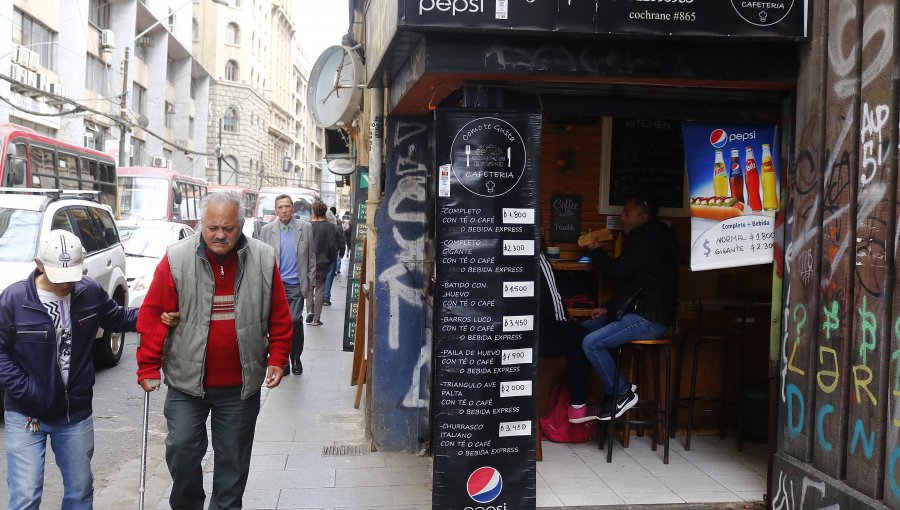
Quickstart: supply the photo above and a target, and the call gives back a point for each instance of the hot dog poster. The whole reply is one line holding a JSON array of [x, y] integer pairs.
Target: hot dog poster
[[734, 175]]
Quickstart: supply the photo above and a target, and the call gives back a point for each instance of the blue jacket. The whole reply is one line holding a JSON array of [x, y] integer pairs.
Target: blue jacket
[[29, 369]]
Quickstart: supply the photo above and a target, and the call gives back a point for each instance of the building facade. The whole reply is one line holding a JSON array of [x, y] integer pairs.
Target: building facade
[[82, 50], [250, 48]]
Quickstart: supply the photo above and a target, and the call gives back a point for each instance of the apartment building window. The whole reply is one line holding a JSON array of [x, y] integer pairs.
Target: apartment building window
[[98, 13], [232, 71], [190, 128], [229, 121], [96, 76], [195, 30], [170, 71], [38, 38], [232, 34], [137, 152], [169, 110], [139, 99]]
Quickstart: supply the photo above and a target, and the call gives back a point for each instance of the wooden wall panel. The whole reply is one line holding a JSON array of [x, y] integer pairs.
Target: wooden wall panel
[[876, 181]]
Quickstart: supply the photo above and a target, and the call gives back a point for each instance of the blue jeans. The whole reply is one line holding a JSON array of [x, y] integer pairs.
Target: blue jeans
[[73, 446], [329, 280], [606, 334]]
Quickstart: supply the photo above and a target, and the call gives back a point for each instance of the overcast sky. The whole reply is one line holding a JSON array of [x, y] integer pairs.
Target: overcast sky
[[320, 24]]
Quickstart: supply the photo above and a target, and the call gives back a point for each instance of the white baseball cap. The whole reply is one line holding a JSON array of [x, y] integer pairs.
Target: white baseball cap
[[62, 256]]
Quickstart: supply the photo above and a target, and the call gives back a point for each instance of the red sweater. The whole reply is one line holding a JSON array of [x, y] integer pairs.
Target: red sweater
[[223, 365]]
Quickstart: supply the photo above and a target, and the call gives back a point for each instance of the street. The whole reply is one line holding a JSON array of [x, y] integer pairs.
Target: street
[[118, 410]]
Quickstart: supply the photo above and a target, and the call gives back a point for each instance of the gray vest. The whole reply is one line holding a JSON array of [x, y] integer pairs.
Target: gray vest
[[184, 353]]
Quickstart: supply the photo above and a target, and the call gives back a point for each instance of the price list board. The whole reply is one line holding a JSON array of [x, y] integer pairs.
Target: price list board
[[486, 308]]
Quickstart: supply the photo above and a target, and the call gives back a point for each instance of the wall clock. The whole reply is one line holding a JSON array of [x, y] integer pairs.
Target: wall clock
[[335, 87]]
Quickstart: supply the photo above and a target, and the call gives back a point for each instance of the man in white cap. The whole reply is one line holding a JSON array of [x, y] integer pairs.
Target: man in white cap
[[48, 323]]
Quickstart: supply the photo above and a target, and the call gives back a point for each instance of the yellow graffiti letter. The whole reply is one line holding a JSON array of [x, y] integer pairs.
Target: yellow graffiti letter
[[832, 374], [859, 382]]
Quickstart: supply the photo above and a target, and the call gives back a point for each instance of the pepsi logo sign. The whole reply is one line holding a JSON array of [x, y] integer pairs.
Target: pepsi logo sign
[[484, 484], [718, 138]]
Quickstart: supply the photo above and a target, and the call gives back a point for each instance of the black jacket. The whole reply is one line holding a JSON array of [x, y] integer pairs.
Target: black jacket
[[647, 266], [29, 370]]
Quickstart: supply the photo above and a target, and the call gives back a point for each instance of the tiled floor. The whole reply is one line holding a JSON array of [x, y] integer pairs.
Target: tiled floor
[[713, 471]]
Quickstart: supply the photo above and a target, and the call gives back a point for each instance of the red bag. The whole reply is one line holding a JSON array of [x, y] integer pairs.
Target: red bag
[[556, 427]]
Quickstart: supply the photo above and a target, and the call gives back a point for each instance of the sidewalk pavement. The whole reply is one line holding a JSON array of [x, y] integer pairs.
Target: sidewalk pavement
[[310, 449]]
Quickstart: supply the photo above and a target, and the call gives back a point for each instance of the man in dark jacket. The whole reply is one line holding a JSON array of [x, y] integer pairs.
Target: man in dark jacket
[[644, 308], [47, 328]]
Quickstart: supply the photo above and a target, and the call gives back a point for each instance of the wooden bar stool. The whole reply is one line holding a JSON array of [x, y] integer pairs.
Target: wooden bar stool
[[727, 339], [648, 411]]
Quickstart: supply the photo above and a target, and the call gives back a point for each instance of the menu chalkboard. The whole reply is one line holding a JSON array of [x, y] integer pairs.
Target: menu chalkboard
[[358, 231], [485, 330], [565, 218], [647, 160]]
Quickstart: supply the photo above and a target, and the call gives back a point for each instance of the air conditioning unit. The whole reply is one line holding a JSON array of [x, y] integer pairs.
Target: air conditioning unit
[[21, 55], [17, 73], [31, 78], [34, 60], [58, 89], [107, 39], [159, 162]]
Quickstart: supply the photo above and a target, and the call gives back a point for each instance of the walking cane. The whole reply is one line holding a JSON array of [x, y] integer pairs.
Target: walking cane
[[144, 445]]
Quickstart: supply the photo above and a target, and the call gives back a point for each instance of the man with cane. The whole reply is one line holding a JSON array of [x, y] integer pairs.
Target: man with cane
[[234, 335]]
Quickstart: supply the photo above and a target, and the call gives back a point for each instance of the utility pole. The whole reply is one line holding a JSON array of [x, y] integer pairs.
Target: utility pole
[[123, 110], [219, 151]]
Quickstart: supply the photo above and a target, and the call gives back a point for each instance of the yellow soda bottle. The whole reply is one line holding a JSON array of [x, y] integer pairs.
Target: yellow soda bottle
[[720, 176], [769, 188]]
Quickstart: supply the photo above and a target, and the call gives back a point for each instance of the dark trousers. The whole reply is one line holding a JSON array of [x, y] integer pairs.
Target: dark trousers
[[295, 302], [564, 339], [232, 425]]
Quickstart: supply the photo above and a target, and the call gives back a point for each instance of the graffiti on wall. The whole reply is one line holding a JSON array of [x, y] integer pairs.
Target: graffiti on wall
[[840, 349], [403, 323]]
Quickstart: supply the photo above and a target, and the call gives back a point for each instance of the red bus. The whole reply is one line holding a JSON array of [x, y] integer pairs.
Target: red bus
[[37, 161], [250, 196], [149, 193]]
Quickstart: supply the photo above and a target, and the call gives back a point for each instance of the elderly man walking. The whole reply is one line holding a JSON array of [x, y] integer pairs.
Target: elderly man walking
[[292, 240], [234, 335]]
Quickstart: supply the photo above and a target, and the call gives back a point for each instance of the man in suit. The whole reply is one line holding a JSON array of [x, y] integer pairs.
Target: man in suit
[[296, 255]]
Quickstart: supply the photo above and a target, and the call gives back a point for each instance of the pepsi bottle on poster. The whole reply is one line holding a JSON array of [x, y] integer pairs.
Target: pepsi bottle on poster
[[736, 178], [752, 180]]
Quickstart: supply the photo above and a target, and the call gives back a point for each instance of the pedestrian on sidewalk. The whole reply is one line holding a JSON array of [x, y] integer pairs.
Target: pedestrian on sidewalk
[[336, 265], [326, 249], [48, 326], [234, 335], [292, 240]]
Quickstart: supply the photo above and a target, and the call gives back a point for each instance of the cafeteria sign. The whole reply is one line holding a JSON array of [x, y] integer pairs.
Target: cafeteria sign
[[734, 178]]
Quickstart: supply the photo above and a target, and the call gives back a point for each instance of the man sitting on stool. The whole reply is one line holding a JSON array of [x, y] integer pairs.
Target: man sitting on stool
[[645, 307]]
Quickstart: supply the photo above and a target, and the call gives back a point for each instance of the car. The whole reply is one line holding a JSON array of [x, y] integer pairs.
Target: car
[[25, 220], [145, 244]]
